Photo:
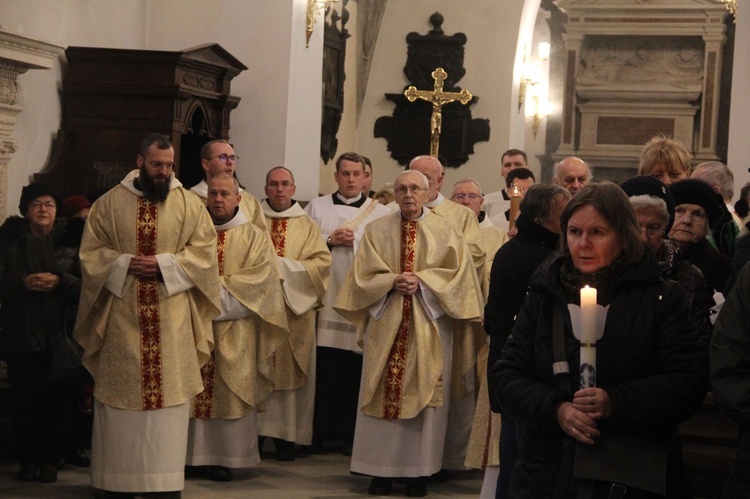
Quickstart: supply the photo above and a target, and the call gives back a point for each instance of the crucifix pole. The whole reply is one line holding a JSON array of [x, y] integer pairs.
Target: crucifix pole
[[438, 98]]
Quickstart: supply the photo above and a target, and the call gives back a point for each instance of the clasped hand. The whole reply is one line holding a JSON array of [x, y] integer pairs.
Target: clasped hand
[[143, 267], [406, 283], [42, 281], [342, 237], [578, 418]]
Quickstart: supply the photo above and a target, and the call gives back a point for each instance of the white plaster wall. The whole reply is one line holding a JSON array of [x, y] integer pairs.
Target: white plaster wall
[[118, 24], [493, 30], [280, 91], [739, 118], [278, 119]]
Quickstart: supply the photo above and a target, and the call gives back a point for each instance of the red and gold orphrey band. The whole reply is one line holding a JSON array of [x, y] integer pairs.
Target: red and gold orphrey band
[[202, 405], [394, 379], [278, 235], [148, 311]]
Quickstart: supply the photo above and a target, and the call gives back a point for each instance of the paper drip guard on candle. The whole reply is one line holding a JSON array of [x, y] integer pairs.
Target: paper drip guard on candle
[[588, 339]]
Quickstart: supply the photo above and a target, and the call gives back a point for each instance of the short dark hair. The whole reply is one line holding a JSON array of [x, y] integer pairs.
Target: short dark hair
[[515, 152], [162, 142], [367, 161], [206, 149], [350, 156], [520, 174], [613, 205], [539, 200]]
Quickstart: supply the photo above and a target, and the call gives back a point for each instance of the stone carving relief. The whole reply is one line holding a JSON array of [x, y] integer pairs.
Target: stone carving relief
[[641, 60]]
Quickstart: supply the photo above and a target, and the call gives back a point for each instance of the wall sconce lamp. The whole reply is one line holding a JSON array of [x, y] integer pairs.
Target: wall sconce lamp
[[532, 72], [731, 6], [541, 109], [314, 7]]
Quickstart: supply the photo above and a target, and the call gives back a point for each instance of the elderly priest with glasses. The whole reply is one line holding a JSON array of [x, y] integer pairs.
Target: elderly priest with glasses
[[411, 278]]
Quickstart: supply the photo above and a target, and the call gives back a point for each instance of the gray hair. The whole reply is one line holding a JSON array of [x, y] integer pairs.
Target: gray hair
[[425, 182], [468, 181], [715, 173], [556, 167], [646, 201], [222, 176]]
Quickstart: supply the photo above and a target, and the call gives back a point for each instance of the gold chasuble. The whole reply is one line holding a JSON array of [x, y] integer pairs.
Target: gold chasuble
[[145, 339], [403, 359], [249, 204], [468, 338], [251, 327], [304, 264]]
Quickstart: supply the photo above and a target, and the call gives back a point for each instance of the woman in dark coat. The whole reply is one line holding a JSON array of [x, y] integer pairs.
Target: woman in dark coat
[[39, 289], [651, 368]]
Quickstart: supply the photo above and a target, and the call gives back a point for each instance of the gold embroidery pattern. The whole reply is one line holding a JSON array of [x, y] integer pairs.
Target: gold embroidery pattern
[[221, 245], [148, 311], [394, 377], [202, 407], [278, 235]]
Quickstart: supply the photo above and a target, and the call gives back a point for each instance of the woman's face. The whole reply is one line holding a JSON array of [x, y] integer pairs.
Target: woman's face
[[690, 225], [667, 173], [592, 242], [651, 220], [41, 213]]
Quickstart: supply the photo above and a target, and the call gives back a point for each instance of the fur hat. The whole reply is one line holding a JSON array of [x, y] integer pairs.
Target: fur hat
[[33, 191], [693, 191]]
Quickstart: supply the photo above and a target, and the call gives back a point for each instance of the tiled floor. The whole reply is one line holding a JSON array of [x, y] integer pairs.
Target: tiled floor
[[318, 476]]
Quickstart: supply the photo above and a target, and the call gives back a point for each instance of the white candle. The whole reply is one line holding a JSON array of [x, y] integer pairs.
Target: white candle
[[588, 337], [588, 314]]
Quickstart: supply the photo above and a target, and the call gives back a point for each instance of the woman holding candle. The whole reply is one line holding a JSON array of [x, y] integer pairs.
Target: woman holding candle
[[651, 371]]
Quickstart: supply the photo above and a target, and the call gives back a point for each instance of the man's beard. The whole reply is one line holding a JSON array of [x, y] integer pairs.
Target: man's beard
[[154, 192]]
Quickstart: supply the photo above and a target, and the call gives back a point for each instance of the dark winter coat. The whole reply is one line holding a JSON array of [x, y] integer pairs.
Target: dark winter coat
[[29, 318], [716, 266], [512, 268], [649, 361]]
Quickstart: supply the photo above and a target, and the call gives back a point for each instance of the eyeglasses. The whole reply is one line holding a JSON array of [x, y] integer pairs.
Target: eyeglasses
[[403, 189], [226, 157], [470, 195], [284, 185], [158, 165], [47, 204]]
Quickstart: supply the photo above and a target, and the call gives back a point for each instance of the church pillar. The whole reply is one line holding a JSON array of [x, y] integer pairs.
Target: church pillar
[[706, 147], [18, 54], [568, 135]]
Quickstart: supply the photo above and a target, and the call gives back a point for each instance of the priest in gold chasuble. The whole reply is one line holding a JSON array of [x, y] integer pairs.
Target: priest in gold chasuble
[[252, 324], [150, 290], [411, 279], [217, 156], [304, 263]]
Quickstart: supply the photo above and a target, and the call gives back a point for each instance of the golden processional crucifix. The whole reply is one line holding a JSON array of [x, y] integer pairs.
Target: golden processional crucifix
[[438, 98]]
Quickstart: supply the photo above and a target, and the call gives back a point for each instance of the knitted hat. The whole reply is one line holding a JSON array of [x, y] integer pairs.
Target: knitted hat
[[693, 191], [73, 204], [33, 191]]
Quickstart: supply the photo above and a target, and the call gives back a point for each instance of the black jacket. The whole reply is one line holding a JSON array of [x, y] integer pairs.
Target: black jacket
[[29, 318], [649, 361], [514, 263], [716, 266]]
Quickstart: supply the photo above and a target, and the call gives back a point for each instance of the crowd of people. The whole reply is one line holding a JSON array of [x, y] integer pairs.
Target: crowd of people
[[417, 333]]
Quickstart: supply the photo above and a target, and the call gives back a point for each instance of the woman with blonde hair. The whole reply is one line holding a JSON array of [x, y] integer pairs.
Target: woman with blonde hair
[[665, 159]]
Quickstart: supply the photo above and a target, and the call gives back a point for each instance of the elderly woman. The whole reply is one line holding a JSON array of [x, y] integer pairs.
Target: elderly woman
[[664, 159], [651, 369], [697, 208], [654, 208], [39, 288]]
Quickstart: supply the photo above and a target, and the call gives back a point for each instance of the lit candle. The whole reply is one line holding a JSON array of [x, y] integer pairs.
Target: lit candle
[[515, 193], [589, 325]]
